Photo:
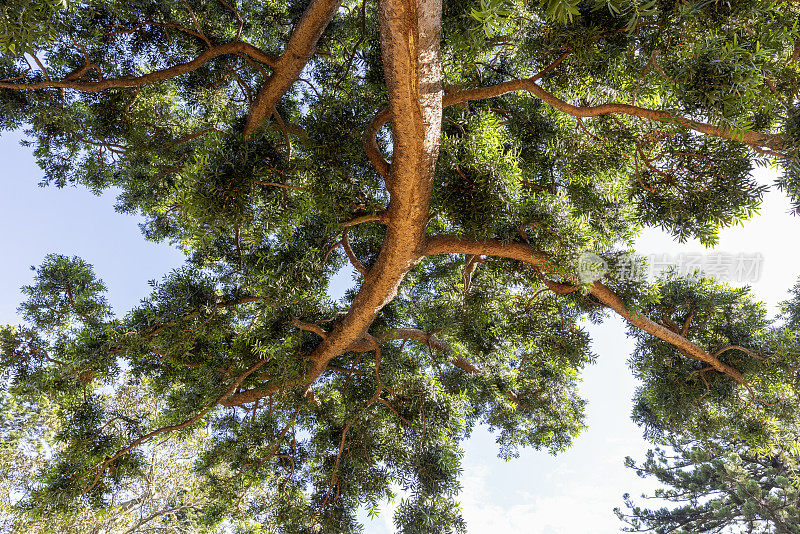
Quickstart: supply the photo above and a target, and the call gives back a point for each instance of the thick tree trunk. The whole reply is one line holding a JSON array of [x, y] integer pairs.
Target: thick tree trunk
[[410, 35]]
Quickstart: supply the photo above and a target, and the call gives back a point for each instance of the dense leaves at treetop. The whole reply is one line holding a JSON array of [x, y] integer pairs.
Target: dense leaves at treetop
[[460, 157]]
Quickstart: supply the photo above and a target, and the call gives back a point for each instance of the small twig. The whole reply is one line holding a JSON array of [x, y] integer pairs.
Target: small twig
[[686, 324], [312, 87], [737, 347], [284, 186], [238, 18], [702, 372], [553, 66], [197, 24], [310, 328], [355, 48], [285, 132], [44, 70]]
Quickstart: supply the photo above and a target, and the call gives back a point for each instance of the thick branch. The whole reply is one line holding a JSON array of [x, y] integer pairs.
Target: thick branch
[[252, 395], [529, 255], [299, 49], [234, 47], [754, 139], [757, 140]]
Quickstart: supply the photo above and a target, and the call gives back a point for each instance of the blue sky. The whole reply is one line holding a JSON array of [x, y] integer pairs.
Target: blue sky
[[572, 493]]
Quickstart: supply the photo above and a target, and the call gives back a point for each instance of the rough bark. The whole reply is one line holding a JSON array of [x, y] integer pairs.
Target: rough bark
[[410, 34]]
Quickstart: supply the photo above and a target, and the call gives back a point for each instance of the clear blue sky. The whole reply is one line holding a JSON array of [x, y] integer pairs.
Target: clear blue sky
[[572, 493]]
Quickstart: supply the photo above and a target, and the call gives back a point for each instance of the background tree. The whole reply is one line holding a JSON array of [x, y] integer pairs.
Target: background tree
[[166, 497], [253, 135], [720, 486]]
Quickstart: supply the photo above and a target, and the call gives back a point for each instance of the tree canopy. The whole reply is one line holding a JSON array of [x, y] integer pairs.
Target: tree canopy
[[462, 158], [725, 480]]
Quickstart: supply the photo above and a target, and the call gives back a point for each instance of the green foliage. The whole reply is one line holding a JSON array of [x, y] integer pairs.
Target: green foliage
[[492, 15], [680, 394], [261, 220], [66, 296], [725, 463], [718, 485], [167, 496], [26, 25]]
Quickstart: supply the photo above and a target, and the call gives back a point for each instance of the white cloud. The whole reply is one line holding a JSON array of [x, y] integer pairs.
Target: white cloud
[[571, 506]]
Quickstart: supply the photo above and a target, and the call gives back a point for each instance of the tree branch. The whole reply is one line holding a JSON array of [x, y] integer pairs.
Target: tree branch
[[527, 254], [742, 349], [351, 255], [234, 47], [470, 264], [756, 140], [370, 142], [286, 70], [147, 437], [252, 395], [310, 328], [379, 217], [433, 342]]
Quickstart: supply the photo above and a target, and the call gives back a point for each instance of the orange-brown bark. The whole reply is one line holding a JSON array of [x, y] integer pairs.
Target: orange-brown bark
[[301, 46], [410, 34]]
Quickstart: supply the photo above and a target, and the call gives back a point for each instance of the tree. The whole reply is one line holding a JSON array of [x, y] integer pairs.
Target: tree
[[727, 482], [720, 485], [254, 136], [164, 498]]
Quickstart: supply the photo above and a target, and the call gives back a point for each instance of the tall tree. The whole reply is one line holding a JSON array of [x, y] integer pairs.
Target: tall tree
[[254, 135]]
